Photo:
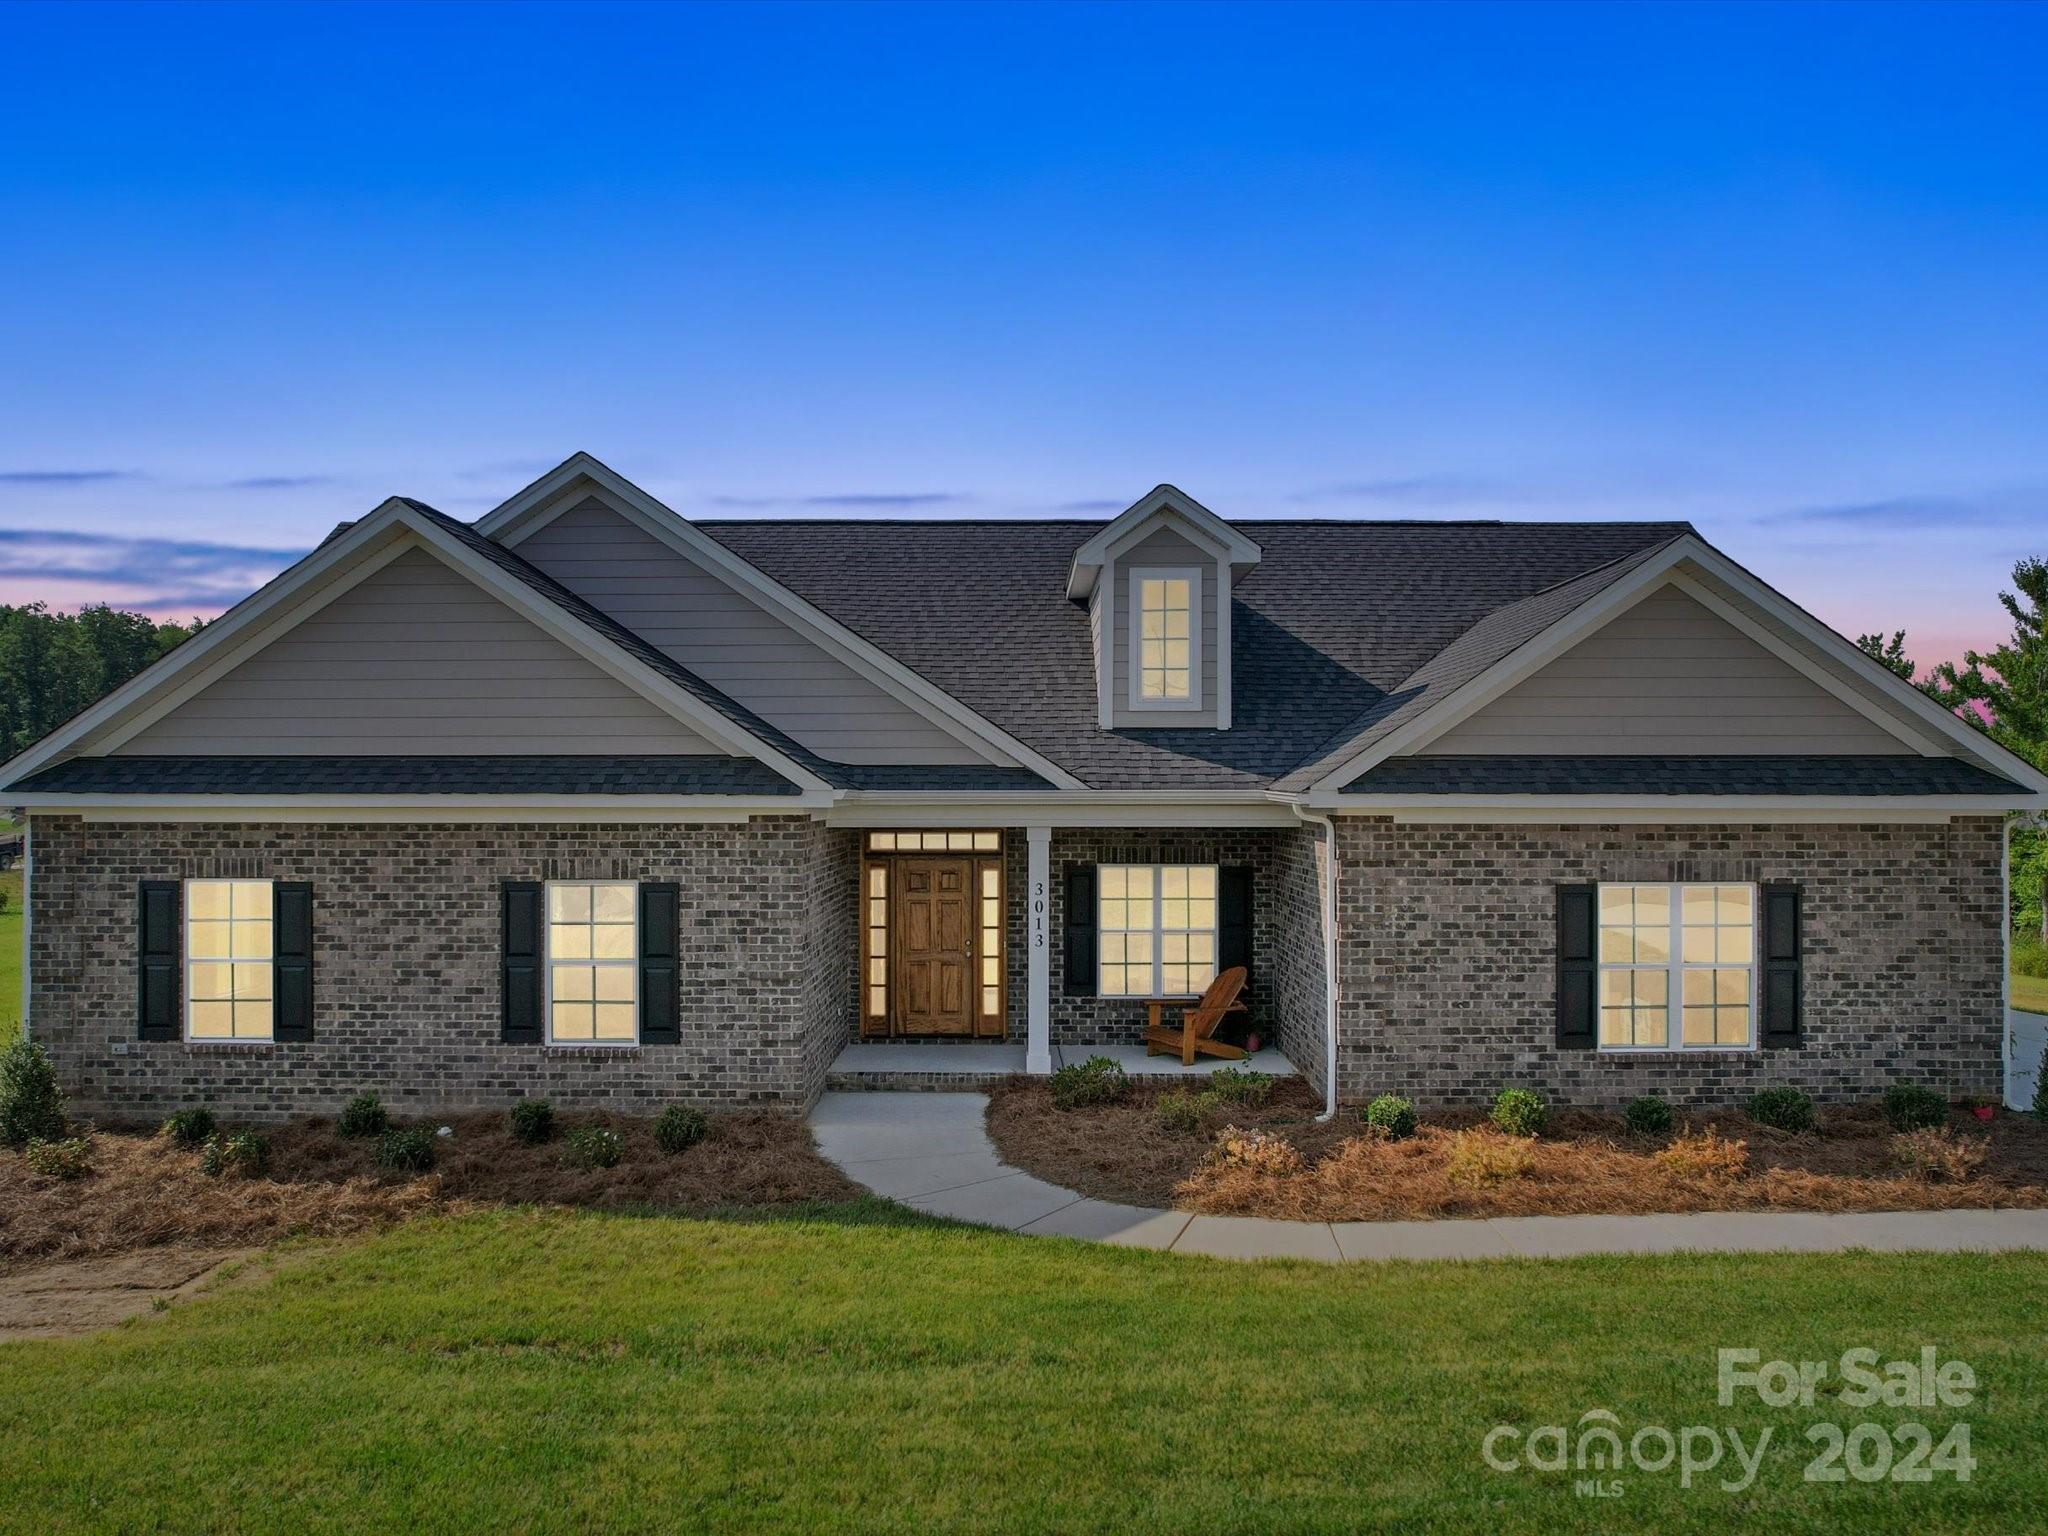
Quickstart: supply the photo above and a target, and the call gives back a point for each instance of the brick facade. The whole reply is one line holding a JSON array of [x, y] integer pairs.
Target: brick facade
[[1446, 960], [406, 933], [1449, 949]]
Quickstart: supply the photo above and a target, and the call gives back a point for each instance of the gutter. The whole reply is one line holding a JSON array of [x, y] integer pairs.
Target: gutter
[[1322, 819]]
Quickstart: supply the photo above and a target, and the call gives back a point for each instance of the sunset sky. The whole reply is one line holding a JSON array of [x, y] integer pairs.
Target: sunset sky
[[1783, 272]]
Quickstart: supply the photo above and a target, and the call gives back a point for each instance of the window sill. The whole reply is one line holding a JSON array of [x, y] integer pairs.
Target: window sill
[[1665, 1050], [228, 1045], [591, 1048]]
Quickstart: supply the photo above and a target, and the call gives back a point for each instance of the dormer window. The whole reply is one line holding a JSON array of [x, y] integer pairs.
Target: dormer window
[[1166, 643]]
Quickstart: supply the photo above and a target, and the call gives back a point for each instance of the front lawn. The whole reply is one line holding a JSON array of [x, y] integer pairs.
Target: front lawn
[[540, 1371], [2030, 993]]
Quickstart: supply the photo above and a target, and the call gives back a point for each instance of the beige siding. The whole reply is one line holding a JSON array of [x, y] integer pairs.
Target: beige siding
[[416, 659], [1667, 678], [1162, 547], [733, 643]]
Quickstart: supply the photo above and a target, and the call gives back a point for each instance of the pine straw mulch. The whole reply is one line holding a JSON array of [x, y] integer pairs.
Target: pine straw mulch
[[1586, 1163], [145, 1192]]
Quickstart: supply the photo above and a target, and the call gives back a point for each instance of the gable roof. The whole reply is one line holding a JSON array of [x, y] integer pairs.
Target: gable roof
[[1169, 506], [558, 490], [1335, 617]]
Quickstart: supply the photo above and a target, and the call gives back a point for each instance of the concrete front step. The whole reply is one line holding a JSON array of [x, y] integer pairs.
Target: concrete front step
[[977, 1066]]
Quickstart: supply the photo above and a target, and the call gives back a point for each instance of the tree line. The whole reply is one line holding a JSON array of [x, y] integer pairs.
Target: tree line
[[52, 665]]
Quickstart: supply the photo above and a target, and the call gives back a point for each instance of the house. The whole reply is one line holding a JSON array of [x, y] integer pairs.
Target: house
[[590, 800]]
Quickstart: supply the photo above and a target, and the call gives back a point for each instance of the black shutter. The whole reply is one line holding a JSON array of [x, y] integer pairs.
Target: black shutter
[[1577, 968], [519, 1021], [1234, 919], [157, 949], [660, 908], [1781, 979], [292, 909], [1080, 946]]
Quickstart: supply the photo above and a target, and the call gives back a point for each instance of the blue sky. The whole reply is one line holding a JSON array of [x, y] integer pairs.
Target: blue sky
[[1779, 271]]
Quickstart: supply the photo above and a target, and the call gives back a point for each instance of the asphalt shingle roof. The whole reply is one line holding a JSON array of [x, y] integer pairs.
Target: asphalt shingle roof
[[1903, 775], [662, 775], [1334, 618]]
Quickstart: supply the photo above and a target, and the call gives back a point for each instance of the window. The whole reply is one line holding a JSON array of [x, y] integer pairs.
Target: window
[[1166, 661], [593, 964], [1156, 929], [228, 953], [1677, 967]]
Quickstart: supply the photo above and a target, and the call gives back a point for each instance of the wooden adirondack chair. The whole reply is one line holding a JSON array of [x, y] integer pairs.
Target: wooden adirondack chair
[[1198, 1024]]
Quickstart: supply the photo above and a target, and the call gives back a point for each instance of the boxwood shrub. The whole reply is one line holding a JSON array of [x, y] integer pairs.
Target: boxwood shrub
[[1647, 1116], [1520, 1112], [532, 1121], [363, 1115], [1910, 1107], [1390, 1116], [679, 1128], [189, 1127], [1783, 1108], [406, 1149], [1084, 1084]]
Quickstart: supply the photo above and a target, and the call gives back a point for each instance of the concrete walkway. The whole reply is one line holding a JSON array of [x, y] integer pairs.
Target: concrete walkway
[[930, 1151]]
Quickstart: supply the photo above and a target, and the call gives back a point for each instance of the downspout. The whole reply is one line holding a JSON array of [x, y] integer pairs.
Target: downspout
[[28, 913], [1329, 904]]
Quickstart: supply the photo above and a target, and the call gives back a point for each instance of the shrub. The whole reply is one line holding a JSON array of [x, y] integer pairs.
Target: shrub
[[678, 1128], [68, 1158], [245, 1154], [1520, 1112], [1240, 1085], [1937, 1155], [2030, 955], [1782, 1109], [189, 1127], [533, 1121], [1181, 1113], [363, 1115], [1390, 1117], [1910, 1107], [1480, 1158], [31, 1103], [1705, 1158], [1647, 1116], [1084, 1084], [592, 1146], [1257, 1151], [2041, 1094], [406, 1149]]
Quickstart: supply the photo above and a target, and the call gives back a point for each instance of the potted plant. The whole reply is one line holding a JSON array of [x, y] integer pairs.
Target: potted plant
[[1980, 1106]]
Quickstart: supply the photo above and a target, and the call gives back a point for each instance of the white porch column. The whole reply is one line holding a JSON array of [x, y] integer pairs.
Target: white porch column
[[1038, 950]]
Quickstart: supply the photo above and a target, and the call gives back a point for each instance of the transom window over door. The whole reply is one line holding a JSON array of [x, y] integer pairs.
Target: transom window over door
[[593, 963], [1677, 967], [1166, 662], [1156, 929], [230, 953]]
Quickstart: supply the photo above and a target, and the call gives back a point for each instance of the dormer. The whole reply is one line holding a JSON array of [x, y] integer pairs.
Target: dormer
[[1157, 582]]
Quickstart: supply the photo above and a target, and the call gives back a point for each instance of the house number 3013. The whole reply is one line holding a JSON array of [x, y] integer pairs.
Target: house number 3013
[[1038, 914]]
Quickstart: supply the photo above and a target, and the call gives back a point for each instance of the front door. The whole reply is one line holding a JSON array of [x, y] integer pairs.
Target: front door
[[934, 946]]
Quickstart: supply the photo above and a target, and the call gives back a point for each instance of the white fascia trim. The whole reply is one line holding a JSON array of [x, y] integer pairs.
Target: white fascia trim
[[1672, 808], [300, 586], [541, 502], [327, 574], [1211, 532], [1658, 571], [425, 808], [1094, 808], [1882, 679], [1222, 645]]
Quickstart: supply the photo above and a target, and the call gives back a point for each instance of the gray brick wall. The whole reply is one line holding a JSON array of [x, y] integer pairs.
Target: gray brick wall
[[407, 953], [1449, 947]]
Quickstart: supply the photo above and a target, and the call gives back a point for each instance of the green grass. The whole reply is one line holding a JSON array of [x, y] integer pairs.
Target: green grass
[[542, 1372], [10, 956], [2030, 993]]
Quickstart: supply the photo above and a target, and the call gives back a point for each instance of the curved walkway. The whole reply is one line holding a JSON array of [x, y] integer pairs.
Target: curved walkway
[[931, 1151]]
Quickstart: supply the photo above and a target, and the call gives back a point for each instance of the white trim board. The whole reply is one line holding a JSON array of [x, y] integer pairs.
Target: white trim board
[[1163, 503], [326, 574], [1664, 569], [554, 493], [1134, 699]]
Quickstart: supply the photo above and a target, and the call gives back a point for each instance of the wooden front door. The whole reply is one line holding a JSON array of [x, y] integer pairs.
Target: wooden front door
[[934, 911]]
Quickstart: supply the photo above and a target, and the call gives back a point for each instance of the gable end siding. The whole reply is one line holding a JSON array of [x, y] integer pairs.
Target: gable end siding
[[1667, 677], [415, 659], [733, 643]]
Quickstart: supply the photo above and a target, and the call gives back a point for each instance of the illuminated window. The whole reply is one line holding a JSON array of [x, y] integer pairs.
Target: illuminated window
[[934, 842], [229, 945], [1155, 929], [1677, 967], [1165, 645], [593, 964], [875, 907], [991, 947]]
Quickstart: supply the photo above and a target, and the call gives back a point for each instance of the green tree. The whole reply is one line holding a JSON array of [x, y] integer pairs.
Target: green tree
[[52, 665], [2004, 692], [1889, 653]]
